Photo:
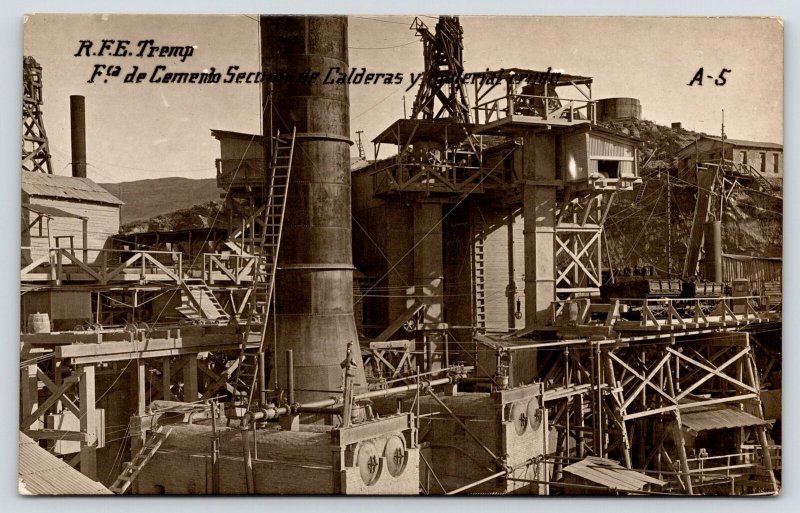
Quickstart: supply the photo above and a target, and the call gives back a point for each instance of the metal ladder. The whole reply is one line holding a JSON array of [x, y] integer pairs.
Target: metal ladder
[[137, 463], [263, 284]]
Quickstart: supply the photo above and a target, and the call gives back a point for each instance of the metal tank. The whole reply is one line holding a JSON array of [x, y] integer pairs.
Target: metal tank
[[609, 109], [314, 283]]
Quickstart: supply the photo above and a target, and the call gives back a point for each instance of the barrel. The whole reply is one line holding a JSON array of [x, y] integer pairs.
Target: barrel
[[39, 323]]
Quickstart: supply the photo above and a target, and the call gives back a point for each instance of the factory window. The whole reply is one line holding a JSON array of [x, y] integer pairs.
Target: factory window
[[763, 157], [608, 168], [776, 163], [744, 157]]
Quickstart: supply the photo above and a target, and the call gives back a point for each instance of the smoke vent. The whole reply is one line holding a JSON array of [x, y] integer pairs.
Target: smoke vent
[[77, 117], [314, 284]]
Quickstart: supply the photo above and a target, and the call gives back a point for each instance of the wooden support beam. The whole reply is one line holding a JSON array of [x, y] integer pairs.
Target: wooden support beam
[[711, 372], [88, 420], [54, 390], [34, 417], [166, 379], [680, 443], [58, 435], [190, 378], [151, 348], [29, 395]]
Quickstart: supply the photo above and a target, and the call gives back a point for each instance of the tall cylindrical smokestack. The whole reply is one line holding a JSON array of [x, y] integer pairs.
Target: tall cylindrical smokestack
[[713, 251], [314, 287], [77, 117]]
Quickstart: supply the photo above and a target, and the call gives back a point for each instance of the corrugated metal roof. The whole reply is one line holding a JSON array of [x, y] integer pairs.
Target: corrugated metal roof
[[746, 258], [718, 417], [49, 211], [66, 187], [610, 474], [742, 142], [736, 142], [41, 473], [228, 134]]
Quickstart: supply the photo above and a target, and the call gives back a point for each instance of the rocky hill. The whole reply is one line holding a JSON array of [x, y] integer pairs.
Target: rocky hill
[[145, 199], [638, 226], [205, 215]]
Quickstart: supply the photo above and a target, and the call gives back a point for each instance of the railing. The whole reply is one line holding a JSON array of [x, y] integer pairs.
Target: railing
[[422, 177], [663, 313], [693, 312], [547, 109], [722, 465], [755, 453], [143, 266], [110, 265], [228, 267]]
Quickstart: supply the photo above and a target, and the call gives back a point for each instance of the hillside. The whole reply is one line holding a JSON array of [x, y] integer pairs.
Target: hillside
[[145, 199], [638, 224]]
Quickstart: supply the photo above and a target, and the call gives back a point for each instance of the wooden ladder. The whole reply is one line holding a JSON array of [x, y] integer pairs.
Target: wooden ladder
[[479, 277], [263, 284], [640, 194], [137, 463]]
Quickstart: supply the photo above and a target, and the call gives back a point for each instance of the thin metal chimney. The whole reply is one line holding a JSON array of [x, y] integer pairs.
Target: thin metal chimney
[[314, 283], [77, 116]]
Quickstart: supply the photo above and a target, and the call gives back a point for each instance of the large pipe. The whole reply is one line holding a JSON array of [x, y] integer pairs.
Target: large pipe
[[713, 251], [77, 118], [314, 288]]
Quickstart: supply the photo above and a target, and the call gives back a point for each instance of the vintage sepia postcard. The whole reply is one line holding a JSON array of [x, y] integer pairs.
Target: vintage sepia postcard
[[401, 255]]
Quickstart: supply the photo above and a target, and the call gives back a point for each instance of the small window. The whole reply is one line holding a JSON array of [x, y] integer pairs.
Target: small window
[[744, 157], [763, 162], [608, 168], [776, 163]]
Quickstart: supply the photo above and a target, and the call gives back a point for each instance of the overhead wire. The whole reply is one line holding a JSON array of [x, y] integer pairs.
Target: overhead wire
[[382, 47]]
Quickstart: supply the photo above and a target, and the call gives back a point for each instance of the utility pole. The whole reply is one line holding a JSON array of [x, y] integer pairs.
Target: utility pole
[[669, 225], [361, 154], [721, 165]]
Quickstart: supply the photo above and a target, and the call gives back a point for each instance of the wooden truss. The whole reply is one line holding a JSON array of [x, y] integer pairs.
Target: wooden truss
[[442, 52], [579, 233], [35, 146], [626, 401], [60, 371]]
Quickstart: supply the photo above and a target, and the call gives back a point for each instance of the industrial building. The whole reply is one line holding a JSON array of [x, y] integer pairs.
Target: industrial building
[[759, 161], [439, 319]]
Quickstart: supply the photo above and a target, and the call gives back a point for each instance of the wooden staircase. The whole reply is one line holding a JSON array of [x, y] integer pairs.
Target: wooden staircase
[[265, 245], [199, 304], [747, 169], [137, 463]]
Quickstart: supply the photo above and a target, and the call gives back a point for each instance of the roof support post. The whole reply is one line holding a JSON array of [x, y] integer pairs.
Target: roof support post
[[88, 422]]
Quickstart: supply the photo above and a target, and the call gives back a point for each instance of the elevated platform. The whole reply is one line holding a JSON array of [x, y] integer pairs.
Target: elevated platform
[[510, 100], [59, 266]]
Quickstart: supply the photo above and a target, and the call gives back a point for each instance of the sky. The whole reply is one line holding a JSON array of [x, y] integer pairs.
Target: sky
[[145, 131]]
